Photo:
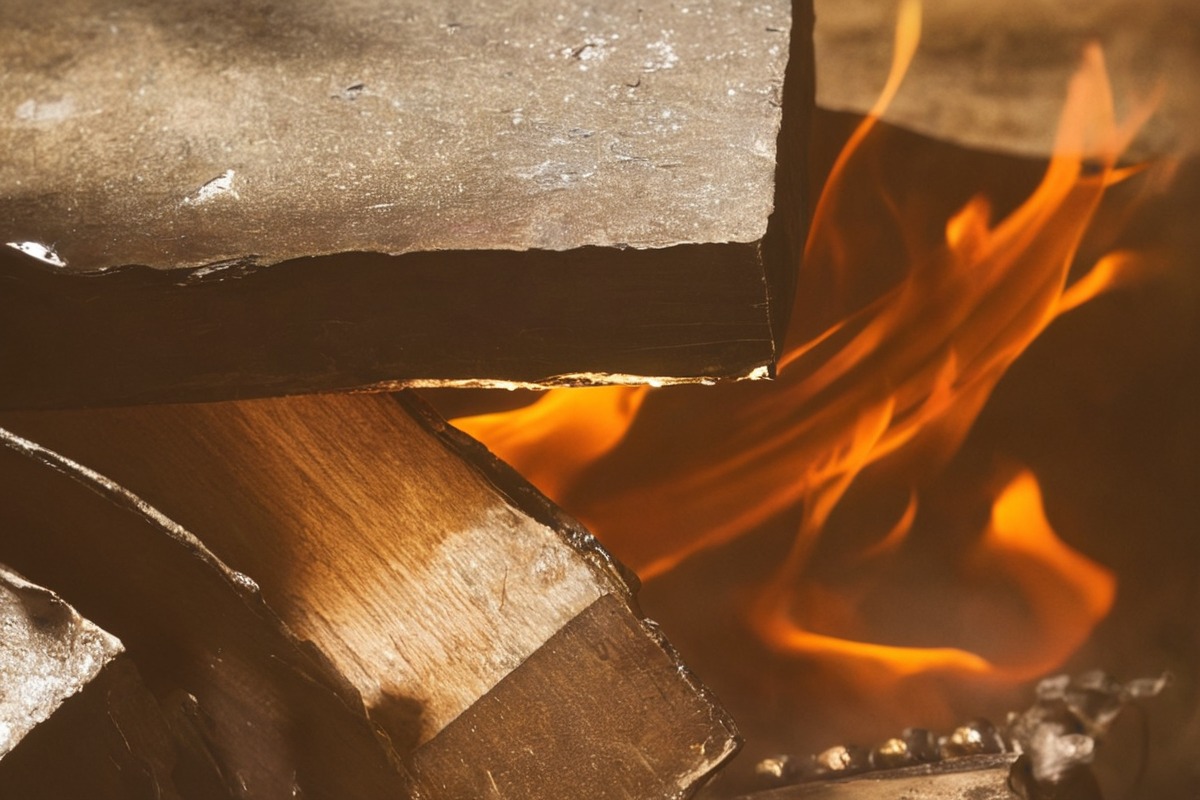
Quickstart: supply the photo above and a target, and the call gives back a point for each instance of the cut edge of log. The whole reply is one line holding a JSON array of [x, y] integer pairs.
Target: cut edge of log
[[625, 583]]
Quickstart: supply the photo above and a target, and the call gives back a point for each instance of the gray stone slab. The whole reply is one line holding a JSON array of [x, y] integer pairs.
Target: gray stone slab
[[993, 74], [243, 198], [187, 133]]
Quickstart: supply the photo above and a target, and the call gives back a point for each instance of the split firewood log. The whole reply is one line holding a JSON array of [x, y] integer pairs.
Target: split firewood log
[[488, 635], [252, 710]]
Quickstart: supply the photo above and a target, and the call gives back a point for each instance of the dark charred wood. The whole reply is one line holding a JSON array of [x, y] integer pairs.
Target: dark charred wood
[[360, 320]]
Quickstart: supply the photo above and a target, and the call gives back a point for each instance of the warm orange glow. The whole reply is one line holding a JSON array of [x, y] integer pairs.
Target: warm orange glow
[[553, 440], [898, 533], [895, 377], [1066, 592]]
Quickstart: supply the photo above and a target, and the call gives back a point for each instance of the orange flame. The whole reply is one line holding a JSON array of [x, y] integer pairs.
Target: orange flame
[[1067, 592], [556, 438], [899, 378]]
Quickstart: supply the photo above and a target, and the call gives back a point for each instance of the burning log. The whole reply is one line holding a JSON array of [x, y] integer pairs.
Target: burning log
[[273, 199], [488, 635]]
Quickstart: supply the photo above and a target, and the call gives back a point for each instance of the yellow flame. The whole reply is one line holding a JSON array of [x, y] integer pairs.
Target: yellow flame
[[551, 441], [1067, 592], [901, 378], [1062, 587]]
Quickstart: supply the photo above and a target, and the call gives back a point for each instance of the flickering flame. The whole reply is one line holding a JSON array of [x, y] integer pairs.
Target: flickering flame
[[895, 379], [1066, 591], [1058, 582]]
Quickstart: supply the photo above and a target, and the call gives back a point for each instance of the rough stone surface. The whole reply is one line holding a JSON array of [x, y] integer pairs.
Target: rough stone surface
[[197, 132], [47, 654], [993, 73]]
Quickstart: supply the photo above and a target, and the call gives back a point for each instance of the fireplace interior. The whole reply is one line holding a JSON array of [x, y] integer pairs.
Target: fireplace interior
[[1091, 430], [974, 468]]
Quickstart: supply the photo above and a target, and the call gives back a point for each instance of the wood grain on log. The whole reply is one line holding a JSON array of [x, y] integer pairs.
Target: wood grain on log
[[261, 710], [245, 199], [605, 699], [433, 579]]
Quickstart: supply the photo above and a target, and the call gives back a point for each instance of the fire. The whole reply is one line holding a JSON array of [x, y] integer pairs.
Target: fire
[[1066, 591], [1058, 583], [875, 379], [552, 441]]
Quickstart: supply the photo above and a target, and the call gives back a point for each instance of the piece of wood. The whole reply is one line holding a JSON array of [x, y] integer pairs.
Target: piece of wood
[[245, 199], [427, 572], [605, 699], [254, 706], [970, 778], [110, 740], [76, 719]]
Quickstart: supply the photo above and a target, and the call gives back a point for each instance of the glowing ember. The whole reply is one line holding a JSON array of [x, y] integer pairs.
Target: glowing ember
[[892, 377]]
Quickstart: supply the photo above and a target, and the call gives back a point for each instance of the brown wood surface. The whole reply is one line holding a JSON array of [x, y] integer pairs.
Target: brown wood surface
[[606, 699], [273, 713], [596, 315], [422, 569], [368, 536]]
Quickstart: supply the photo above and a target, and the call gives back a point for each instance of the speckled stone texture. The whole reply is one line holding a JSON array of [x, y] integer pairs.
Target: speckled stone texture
[[188, 133], [271, 198], [47, 654]]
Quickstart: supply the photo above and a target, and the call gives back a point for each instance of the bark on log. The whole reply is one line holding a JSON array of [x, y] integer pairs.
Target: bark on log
[[76, 718], [246, 199], [490, 636], [47, 654]]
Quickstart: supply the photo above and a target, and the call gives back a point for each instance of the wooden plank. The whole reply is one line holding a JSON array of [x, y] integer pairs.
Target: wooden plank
[[250, 702], [373, 194], [425, 570]]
